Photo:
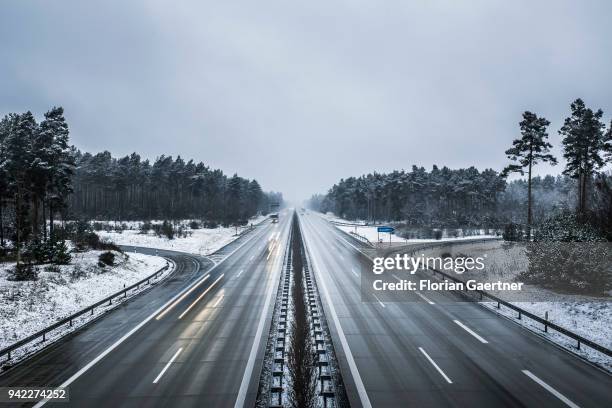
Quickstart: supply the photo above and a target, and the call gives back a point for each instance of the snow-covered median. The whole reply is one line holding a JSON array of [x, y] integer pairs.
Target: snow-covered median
[[27, 307]]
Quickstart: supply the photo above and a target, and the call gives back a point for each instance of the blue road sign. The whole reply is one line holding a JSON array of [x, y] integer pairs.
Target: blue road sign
[[386, 229]]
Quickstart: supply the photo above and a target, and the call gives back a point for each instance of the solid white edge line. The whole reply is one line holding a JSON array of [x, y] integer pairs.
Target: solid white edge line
[[212, 285], [433, 363], [550, 389], [354, 272], [467, 329], [167, 365], [240, 273], [113, 346], [248, 371], [363, 395]]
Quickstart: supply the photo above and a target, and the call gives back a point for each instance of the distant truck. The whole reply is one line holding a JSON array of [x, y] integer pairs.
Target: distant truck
[[274, 218]]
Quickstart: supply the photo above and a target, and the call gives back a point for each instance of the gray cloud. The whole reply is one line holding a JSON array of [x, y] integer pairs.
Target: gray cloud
[[299, 95]]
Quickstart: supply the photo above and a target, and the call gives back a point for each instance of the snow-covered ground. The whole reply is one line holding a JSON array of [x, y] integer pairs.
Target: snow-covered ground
[[371, 233], [29, 306], [202, 241], [587, 316], [589, 319]]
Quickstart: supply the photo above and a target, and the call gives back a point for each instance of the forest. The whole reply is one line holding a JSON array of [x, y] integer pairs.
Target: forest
[[43, 178], [470, 198]]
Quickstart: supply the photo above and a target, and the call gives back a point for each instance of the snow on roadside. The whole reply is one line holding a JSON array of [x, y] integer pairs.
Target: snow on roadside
[[592, 320], [27, 307], [202, 241], [371, 233], [587, 316]]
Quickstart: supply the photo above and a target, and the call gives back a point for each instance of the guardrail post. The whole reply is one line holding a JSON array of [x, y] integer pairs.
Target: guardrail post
[[92, 311], [578, 344], [70, 322], [44, 338], [9, 355], [109, 301], [498, 306], [519, 315]]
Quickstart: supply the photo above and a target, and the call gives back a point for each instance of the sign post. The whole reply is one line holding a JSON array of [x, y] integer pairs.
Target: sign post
[[385, 229]]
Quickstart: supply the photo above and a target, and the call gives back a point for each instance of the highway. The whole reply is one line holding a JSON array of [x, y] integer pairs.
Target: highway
[[435, 351], [196, 340]]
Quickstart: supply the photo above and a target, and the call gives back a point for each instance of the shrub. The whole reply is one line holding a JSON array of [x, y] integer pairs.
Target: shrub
[[52, 268], [194, 225], [106, 259], [569, 255], [210, 224], [512, 232], [60, 254], [77, 272], [145, 227], [167, 230], [23, 272]]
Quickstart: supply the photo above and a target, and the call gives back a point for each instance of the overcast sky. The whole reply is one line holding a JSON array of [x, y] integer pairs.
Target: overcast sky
[[300, 94]]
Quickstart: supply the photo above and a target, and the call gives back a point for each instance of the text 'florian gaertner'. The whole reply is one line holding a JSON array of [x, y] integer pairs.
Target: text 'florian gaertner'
[[429, 285]]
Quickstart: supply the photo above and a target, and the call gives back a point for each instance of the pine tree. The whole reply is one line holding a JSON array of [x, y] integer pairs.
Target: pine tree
[[17, 164], [583, 144], [529, 150], [607, 147], [53, 138]]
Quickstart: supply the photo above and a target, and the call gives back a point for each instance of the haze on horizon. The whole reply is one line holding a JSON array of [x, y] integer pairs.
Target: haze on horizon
[[299, 95]]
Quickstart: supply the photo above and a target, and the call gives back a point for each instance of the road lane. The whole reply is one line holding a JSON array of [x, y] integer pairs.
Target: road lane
[[386, 342], [215, 342], [214, 337]]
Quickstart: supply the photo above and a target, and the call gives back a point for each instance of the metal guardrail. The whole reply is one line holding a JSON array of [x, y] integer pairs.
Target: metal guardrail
[[522, 312], [68, 320], [361, 237]]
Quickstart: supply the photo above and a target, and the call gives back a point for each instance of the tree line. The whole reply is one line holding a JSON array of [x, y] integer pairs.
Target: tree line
[[130, 188], [457, 198], [43, 177]]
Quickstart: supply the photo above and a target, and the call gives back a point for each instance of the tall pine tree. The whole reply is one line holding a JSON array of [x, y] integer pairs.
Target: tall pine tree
[[529, 150], [583, 143]]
